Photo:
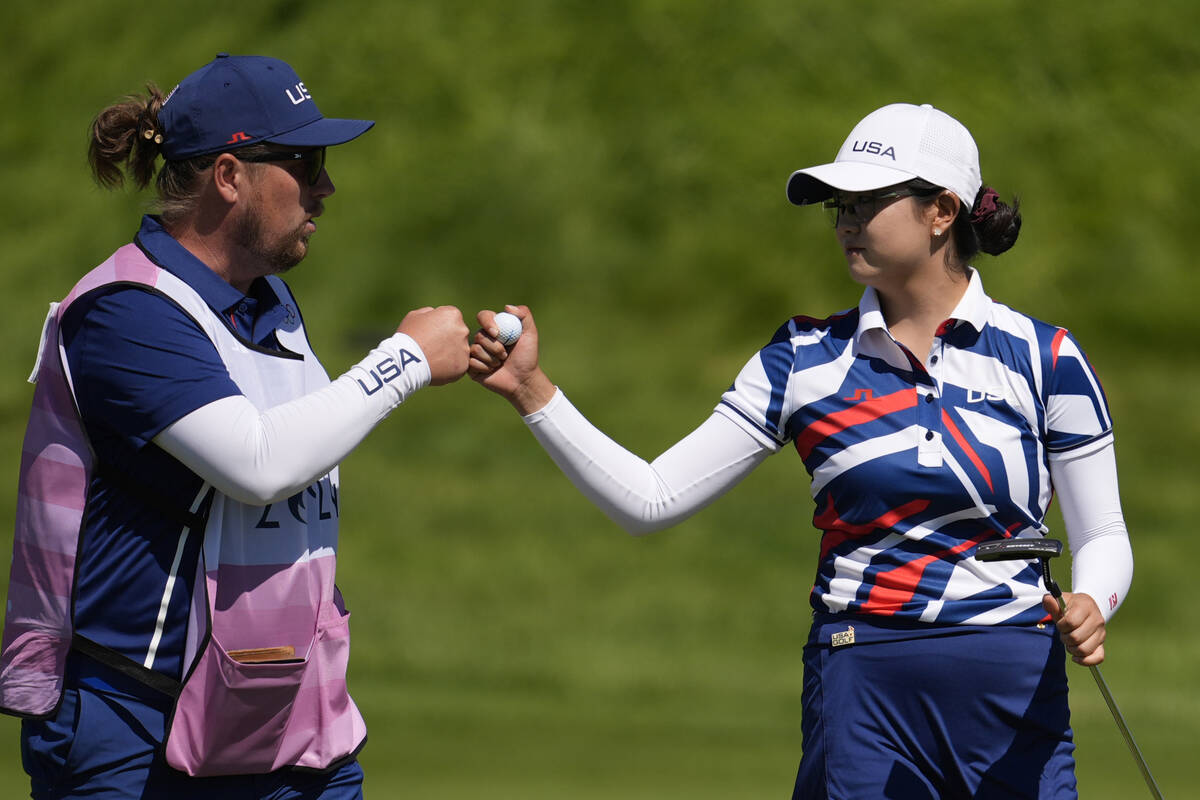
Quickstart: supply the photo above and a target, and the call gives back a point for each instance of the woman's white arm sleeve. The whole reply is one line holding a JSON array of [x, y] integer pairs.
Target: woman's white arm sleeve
[[260, 457], [639, 496], [1101, 558]]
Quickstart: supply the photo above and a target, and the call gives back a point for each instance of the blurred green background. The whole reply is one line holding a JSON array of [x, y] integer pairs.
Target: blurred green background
[[620, 167]]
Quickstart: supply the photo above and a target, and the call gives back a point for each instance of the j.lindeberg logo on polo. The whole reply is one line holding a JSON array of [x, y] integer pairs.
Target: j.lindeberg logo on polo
[[875, 148], [301, 94]]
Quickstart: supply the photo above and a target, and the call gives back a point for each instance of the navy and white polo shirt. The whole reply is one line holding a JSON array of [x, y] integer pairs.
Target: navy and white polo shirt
[[914, 464]]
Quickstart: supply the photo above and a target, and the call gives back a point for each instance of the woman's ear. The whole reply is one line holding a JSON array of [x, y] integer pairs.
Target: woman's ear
[[945, 208]]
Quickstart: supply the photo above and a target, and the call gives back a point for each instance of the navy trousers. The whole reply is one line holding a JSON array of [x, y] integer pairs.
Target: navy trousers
[[916, 712], [104, 743]]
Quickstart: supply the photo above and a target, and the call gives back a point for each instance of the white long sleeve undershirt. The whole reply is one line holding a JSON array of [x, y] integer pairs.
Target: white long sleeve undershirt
[[643, 496], [1089, 498], [260, 457]]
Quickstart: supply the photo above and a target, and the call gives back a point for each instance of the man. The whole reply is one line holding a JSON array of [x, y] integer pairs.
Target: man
[[173, 627]]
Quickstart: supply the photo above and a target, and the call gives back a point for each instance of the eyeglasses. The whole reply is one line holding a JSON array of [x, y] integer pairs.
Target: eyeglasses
[[314, 160], [863, 207]]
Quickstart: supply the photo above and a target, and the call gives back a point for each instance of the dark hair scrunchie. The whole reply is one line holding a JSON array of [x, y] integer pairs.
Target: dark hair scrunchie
[[985, 206]]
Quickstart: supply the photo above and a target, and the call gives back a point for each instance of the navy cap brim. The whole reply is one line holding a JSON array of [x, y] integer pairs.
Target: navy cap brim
[[324, 132]]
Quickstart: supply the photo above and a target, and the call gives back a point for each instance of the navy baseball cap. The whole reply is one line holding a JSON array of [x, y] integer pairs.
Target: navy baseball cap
[[234, 101]]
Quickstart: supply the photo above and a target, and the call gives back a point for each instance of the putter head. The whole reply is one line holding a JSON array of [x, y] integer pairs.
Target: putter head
[[1019, 550]]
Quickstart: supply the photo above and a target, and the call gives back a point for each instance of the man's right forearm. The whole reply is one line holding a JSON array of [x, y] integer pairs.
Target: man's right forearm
[[260, 457]]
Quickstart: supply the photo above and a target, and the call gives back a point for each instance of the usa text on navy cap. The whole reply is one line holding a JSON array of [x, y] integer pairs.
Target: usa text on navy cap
[[239, 100]]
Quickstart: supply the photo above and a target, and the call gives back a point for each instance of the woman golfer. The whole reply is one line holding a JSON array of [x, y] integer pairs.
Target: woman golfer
[[931, 419]]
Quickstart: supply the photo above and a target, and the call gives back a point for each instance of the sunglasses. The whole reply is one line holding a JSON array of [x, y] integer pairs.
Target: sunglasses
[[864, 207], [314, 160]]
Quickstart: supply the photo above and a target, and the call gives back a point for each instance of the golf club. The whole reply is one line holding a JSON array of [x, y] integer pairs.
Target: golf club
[[1044, 550]]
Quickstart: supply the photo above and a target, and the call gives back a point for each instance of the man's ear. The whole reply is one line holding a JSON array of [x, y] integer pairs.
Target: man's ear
[[228, 177]]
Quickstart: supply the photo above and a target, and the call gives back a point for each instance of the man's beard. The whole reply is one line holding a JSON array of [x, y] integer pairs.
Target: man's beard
[[279, 255]]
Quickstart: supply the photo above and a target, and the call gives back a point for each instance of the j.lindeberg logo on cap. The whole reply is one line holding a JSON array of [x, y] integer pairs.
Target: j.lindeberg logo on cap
[[300, 96], [875, 148]]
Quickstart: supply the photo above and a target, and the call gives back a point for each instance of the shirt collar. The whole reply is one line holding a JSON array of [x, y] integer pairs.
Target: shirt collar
[[975, 306], [972, 309], [164, 250]]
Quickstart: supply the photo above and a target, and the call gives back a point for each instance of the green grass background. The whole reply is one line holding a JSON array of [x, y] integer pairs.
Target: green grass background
[[620, 166]]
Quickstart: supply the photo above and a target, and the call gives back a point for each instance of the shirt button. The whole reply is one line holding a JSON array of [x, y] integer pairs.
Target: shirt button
[[929, 398], [928, 435], [933, 359]]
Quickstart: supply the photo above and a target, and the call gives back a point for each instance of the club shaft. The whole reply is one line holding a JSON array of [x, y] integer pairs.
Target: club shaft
[[1125, 732], [1108, 698]]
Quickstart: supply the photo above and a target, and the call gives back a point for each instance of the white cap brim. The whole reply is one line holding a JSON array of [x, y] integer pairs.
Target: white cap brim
[[814, 184]]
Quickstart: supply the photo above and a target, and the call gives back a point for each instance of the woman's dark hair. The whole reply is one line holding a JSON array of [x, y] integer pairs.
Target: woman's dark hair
[[126, 140], [990, 226]]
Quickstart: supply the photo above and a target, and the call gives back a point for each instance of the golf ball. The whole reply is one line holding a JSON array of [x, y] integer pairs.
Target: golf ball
[[510, 328]]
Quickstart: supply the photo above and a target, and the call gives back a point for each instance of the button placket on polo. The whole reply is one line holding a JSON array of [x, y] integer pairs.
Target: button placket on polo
[[929, 410]]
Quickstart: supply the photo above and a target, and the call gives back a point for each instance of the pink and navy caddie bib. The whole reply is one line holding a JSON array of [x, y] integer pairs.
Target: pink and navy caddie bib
[[268, 572]]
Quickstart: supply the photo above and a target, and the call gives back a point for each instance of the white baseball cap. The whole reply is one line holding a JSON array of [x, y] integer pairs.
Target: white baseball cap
[[891, 145]]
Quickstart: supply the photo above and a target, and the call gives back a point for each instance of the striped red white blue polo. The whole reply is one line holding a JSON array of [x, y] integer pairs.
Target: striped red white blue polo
[[914, 462]]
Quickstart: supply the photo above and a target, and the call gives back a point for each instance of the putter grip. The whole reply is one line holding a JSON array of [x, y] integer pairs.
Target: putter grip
[[1018, 549]]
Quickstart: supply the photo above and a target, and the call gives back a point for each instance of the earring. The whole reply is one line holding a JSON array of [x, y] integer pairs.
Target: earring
[[937, 233]]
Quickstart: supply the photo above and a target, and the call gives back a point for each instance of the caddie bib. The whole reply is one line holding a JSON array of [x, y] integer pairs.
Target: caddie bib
[[264, 683]]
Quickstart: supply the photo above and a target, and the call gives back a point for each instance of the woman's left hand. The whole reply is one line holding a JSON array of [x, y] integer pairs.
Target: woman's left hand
[[1081, 627]]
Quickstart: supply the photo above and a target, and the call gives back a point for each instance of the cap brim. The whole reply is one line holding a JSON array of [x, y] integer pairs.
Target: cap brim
[[815, 184], [324, 132]]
